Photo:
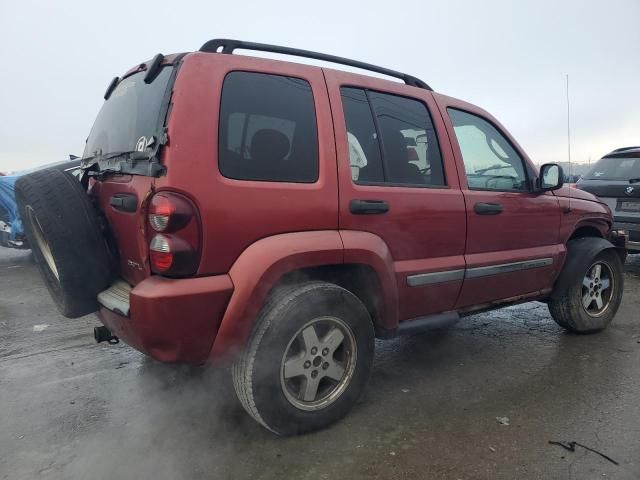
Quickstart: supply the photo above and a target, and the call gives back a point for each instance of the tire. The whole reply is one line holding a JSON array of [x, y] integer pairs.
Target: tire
[[569, 310], [259, 373], [63, 230]]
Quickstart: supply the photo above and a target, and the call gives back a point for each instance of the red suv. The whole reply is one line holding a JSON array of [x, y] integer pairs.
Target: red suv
[[286, 215]]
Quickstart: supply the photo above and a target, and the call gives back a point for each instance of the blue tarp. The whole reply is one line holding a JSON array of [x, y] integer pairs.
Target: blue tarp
[[8, 203]]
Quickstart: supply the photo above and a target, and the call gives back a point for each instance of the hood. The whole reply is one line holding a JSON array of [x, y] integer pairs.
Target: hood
[[569, 192]]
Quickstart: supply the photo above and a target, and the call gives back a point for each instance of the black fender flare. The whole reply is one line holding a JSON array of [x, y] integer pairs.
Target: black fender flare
[[580, 254]]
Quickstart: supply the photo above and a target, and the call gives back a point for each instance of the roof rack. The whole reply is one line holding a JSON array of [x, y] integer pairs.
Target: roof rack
[[223, 45]]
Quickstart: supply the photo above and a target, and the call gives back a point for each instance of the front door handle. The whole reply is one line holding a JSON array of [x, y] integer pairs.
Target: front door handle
[[368, 207], [487, 208]]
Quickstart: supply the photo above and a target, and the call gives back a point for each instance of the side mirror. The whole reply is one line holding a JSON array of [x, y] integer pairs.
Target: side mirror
[[551, 177]]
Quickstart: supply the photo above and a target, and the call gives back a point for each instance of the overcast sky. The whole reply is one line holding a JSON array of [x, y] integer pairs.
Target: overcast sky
[[509, 57]]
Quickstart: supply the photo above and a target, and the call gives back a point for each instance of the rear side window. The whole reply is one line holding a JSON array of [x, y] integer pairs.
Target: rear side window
[[267, 129], [364, 151], [391, 139]]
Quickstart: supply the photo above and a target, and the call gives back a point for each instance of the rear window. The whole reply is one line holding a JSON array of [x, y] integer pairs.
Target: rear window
[[397, 146], [134, 110], [615, 168], [267, 129]]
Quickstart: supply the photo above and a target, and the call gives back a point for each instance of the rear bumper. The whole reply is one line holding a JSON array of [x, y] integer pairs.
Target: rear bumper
[[171, 320], [632, 231]]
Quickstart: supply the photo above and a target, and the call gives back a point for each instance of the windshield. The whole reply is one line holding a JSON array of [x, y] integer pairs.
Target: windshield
[[131, 112], [615, 168]]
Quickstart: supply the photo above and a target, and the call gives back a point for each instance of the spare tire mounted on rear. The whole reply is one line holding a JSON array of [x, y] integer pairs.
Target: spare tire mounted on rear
[[63, 230]]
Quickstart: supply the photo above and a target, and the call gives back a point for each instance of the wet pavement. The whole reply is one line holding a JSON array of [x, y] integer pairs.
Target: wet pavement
[[480, 400]]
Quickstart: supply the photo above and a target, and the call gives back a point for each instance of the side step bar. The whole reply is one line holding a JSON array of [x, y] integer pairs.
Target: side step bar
[[430, 322]]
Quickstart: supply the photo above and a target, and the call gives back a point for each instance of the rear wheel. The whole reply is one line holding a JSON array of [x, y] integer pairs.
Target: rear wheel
[[592, 301], [308, 358]]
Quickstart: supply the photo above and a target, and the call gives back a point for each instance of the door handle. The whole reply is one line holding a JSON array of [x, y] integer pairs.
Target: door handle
[[368, 207], [487, 208], [124, 202]]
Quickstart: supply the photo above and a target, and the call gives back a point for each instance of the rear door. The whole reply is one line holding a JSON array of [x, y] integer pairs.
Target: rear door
[[252, 143], [513, 244], [397, 180]]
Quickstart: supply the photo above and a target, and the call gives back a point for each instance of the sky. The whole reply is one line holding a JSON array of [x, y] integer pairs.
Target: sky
[[509, 57]]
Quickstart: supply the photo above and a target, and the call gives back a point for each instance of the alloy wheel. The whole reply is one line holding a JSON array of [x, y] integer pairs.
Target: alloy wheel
[[318, 363]]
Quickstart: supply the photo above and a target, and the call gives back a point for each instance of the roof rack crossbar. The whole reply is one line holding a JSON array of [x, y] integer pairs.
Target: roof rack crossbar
[[224, 45]]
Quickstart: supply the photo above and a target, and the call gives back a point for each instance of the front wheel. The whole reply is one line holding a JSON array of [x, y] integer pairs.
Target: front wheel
[[308, 358], [592, 301]]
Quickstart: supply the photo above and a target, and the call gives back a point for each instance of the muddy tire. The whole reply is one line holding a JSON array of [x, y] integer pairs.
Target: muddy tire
[[593, 298], [308, 358], [63, 230]]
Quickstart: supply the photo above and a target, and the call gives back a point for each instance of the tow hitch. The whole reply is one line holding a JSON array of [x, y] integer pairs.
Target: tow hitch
[[103, 334]]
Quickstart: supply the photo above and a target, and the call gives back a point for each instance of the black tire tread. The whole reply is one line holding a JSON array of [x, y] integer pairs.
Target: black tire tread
[[567, 312], [242, 370], [71, 227], [277, 303]]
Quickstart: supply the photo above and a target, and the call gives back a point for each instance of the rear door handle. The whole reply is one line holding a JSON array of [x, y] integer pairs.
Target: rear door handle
[[487, 208], [124, 202], [368, 207]]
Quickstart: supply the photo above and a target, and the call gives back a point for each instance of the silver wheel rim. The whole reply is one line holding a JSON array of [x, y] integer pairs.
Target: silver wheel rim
[[318, 363], [41, 242], [598, 288]]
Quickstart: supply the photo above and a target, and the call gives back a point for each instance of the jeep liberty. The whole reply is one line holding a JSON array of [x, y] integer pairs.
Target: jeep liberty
[[284, 216]]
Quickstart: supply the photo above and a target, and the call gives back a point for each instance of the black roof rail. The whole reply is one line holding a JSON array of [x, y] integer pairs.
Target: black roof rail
[[225, 45]]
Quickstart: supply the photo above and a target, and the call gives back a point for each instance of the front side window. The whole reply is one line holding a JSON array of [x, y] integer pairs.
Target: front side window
[[490, 162], [391, 139], [267, 129]]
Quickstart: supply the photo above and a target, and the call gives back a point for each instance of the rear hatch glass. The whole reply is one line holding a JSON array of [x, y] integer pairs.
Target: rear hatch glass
[[133, 113], [615, 168]]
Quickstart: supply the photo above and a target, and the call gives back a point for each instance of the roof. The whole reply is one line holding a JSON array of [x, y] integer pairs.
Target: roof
[[624, 152]]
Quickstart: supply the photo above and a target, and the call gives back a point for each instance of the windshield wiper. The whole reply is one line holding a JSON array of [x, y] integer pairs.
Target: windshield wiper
[[106, 156], [497, 166], [634, 180], [132, 162]]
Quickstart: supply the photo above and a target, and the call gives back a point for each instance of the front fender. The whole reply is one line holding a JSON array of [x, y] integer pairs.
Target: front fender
[[580, 254]]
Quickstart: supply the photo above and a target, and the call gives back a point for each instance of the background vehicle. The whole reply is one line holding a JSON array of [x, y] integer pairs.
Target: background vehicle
[[285, 215], [615, 178], [11, 230]]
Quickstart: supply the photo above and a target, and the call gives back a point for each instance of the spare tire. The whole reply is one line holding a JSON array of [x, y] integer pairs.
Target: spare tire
[[63, 230]]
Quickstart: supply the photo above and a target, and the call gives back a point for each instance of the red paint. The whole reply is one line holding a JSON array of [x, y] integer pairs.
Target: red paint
[[254, 233], [173, 320], [423, 225]]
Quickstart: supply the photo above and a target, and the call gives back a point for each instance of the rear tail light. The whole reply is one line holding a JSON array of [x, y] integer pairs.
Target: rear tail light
[[174, 243], [161, 253]]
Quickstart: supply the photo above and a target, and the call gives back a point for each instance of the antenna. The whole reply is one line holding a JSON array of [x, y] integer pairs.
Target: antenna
[[569, 138], [568, 125]]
